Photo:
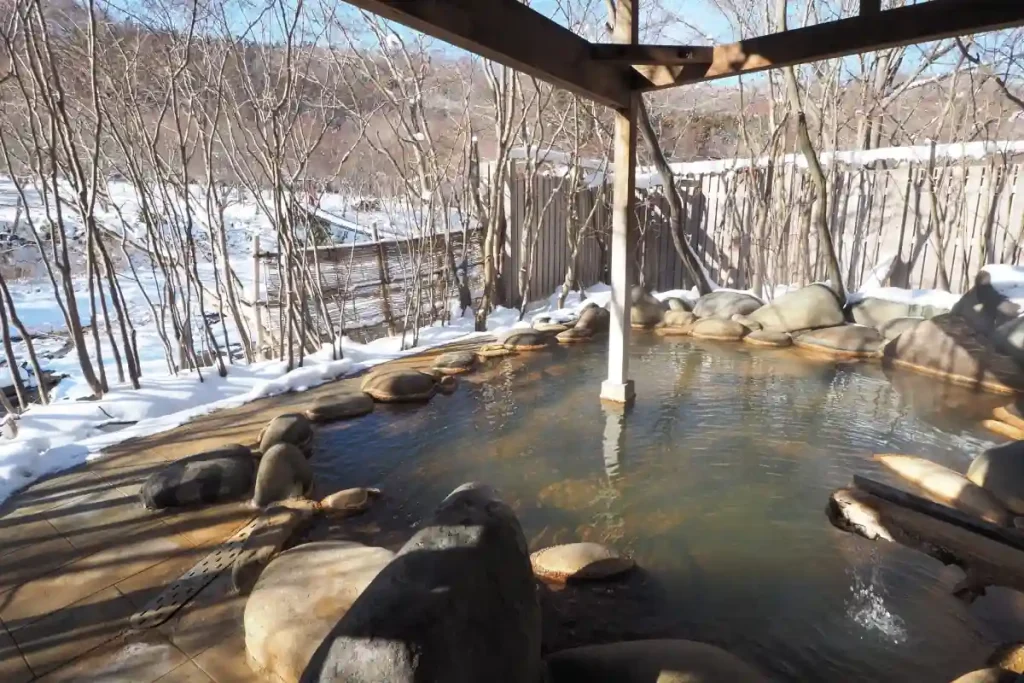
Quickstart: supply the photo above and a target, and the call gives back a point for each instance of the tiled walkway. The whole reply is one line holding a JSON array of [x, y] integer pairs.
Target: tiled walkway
[[79, 555]]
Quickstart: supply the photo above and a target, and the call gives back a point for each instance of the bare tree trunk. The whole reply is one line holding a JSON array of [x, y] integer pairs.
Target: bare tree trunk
[[819, 212], [675, 203]]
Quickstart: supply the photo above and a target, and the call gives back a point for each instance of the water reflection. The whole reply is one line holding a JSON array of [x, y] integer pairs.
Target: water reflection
[[716, 480]]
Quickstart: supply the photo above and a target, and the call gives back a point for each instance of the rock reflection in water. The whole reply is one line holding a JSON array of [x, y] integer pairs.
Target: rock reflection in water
[[715, 481]]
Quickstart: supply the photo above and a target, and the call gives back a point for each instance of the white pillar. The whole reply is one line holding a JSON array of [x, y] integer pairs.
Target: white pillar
[[618, 387]]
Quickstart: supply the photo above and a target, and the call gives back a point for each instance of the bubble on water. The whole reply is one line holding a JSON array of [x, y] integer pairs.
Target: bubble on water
[[866, 607]]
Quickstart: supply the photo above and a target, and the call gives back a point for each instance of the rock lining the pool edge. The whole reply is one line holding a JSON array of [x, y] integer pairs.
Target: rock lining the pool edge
[[584, 561], [717, 329]]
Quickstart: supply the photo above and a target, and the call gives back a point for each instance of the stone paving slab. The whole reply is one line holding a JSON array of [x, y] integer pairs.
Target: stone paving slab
[[124, 660], [79, 555], [13, 667], [186, 673]]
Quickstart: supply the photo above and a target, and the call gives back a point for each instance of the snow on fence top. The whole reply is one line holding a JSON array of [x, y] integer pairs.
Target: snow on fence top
[[957, 151]]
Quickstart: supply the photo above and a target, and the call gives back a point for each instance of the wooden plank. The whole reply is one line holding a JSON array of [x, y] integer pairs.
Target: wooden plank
[[511, 33], [666, 55], [918, 23]]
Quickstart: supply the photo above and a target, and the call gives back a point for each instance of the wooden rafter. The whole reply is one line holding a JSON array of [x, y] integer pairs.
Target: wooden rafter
[[511, 33], [663, 55], [870, 31]]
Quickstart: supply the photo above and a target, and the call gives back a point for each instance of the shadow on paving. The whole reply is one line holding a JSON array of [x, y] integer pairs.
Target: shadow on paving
[[79, 554]]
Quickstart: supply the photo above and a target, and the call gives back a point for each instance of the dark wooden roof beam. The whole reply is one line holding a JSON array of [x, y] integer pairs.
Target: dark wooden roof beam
[[666, 55], [511, 33], [907, 25]]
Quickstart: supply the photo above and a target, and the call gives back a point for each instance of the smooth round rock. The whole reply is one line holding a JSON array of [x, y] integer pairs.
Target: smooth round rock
[[844, 341], [950, 348], [574, 335], [718, 329], [215, 476], [879, 313], [289, 428], [398, 386], [948, 487], [458, 604], [455, 362], [993, 675], [768, 339], [493, 351], [675, 318], [725, 305], [1000, 471], [447, 384], [983, 307], [808, 308], [1009, 338], [748, 322], [646, 311], [299, 598], [897, 326], [594, 319], [674, 303], [349, 501], [331, 408], [1004, 429], [1010, 414], [550, 327], [525, 340], [579, 562], [650, 661], [283, 473]]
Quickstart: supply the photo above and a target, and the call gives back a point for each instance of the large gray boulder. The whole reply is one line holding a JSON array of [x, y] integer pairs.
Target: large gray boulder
[[674, 303], [1000, 471], [877, 313], [808, 308], [526, 339], [948, 347], [984, 307], [339, 407], [284, 473], [458, 604], [212, 477], [844, 341], [897, 326], [400, 386], [1009, 338], [299, 598], [289, 428], [718, 329], [593, 320], [650, 661], [646, 310], [725, 305]]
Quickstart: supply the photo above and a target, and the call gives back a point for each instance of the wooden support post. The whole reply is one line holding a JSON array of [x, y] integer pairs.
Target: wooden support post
[[257, 305], [618, 387]]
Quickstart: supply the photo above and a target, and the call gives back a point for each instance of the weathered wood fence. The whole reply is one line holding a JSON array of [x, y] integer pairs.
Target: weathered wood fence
[[916, 225], [372, 288]]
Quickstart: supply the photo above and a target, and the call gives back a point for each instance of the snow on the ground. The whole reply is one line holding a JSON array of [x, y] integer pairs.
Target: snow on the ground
[[69, 432], [1008, 280]]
